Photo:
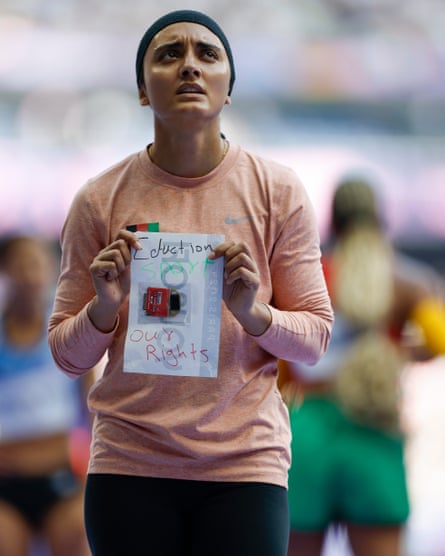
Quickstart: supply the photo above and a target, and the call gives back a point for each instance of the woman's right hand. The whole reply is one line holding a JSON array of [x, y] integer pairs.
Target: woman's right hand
[[110, 274]]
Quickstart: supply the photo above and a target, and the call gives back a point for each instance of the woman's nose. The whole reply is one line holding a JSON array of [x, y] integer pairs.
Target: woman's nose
[[190, 67]]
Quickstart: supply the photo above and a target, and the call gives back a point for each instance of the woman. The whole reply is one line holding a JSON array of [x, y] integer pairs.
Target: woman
[[347, 450], [40, 412], [191, 465]]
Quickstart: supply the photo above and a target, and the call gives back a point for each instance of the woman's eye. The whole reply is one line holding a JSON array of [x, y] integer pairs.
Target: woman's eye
[[169, 54], [211, 54]]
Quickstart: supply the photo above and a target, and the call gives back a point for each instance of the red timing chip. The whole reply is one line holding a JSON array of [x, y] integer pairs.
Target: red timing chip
[[161, 302]]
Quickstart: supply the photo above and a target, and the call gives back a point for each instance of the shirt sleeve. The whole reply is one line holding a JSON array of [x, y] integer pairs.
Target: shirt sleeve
[[301, 309], [76, 344]]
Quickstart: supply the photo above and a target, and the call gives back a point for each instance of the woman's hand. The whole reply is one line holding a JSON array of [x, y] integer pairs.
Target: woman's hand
[[110, 274], [241, 283]]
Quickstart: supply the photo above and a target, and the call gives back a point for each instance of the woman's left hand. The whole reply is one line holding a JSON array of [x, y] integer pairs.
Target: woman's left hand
[[241, 283]]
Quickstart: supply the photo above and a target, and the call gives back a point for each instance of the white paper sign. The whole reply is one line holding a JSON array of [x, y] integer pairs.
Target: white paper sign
[[172, 273]]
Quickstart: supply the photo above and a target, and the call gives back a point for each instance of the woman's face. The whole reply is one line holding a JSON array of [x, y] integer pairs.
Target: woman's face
[[30, 269], [186, 74]]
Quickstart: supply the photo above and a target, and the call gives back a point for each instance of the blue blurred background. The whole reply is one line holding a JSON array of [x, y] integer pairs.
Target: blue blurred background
[[325, 86]]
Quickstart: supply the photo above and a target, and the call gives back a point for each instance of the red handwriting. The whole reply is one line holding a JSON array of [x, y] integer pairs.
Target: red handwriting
[[172, 356], [160, 347], [139, 335]]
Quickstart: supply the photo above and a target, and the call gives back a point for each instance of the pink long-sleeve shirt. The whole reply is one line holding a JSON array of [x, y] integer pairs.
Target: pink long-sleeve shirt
[[233, 427]]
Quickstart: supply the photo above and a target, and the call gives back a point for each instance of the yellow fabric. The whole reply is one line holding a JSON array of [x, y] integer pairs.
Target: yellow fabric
[[430, 316]]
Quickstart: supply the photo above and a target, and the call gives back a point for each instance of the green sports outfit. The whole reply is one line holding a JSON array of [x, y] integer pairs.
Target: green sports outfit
[[343, 471]]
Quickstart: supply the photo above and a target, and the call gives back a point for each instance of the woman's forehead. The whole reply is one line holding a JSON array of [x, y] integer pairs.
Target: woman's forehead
[[180, 31]]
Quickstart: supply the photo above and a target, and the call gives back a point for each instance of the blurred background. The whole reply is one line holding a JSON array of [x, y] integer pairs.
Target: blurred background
[[327, 87]]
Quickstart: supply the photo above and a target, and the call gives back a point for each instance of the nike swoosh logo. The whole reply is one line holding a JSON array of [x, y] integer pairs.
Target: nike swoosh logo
[[229, 220]]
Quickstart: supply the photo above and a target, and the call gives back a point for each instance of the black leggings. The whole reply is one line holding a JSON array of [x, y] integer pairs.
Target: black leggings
[[141, 516]]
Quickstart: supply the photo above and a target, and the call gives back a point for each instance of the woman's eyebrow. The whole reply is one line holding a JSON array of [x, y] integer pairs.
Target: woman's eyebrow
[[175, 44], [180, 44], [203, 45]]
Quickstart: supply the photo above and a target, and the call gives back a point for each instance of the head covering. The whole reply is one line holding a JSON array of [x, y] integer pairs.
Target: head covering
[[354, 203], [178, 16]]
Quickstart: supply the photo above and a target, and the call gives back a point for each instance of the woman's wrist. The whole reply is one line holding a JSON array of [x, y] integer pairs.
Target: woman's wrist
[[103, 317], [257, 321]]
